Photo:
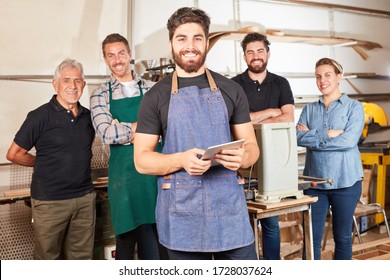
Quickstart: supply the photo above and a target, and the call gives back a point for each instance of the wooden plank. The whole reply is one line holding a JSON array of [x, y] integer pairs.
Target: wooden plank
[[385, 247], [291, 232], [99, 184], [371, 244], [17, 193], [381, 257], [102, 179], [282, 204], [281, 37], [292, 38], [215, 37], [347, 75], [333, 6], [286, 224], [288, 249], [373, 255], [360, 52]]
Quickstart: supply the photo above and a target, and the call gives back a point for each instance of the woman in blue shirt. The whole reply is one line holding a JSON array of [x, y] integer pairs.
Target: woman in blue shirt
[[330, 129]]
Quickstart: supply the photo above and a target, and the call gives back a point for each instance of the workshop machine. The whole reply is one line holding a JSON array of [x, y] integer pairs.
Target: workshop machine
[[278, 162], [275, 174], [376, 131], [374, 150]]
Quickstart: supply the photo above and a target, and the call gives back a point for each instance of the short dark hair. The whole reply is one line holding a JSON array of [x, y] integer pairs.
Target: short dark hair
[[188, 15], [114, 38], [255, 37], [338, 69]]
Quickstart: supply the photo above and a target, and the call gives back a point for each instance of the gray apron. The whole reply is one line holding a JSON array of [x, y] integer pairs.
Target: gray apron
[[205, 213]]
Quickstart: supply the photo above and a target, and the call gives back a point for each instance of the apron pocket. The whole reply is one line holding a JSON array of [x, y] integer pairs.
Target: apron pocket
[[225, 198], [188, 196], [217, 110]]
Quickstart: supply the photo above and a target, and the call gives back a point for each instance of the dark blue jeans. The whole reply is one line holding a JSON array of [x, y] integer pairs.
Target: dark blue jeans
[[271, 238], [145, 236], [343, 202], [243, 253]]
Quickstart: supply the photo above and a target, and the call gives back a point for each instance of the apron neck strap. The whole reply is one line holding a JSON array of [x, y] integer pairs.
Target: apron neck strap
[[212, 84], [175, 88], [110, 90]]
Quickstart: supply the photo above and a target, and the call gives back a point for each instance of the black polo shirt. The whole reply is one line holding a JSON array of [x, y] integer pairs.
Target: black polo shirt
[[63, 147], [273, 92]]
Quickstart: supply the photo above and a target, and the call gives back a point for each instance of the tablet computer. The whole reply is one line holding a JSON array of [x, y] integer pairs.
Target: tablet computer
[[211, 151]]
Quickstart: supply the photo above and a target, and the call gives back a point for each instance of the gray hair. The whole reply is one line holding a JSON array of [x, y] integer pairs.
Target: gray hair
[[68, 63]]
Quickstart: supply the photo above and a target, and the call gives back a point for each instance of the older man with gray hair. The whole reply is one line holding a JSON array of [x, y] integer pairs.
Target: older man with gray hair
[[62, 195]]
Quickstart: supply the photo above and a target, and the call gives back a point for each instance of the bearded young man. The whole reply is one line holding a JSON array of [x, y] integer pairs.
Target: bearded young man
[[269, 95], [201, 210], [270, 100]]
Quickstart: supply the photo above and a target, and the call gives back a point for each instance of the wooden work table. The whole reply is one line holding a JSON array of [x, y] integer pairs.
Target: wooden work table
[[262, 210], [11, 196]]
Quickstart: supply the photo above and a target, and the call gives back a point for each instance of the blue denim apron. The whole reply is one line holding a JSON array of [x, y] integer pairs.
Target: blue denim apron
[[205, 213]]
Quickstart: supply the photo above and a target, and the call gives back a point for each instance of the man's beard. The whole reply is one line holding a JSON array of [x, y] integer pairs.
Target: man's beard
[[258, 68], [189, 66]]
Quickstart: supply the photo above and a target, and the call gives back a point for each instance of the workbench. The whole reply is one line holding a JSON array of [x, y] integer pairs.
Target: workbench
[[262, 210], [381, 158], [17, 232], [11, 196]]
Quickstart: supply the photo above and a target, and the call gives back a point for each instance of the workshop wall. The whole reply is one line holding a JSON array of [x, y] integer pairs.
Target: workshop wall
[[37, 35], [226, 55]]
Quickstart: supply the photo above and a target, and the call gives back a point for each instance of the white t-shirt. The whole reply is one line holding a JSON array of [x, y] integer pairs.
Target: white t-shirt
[[130, 89]]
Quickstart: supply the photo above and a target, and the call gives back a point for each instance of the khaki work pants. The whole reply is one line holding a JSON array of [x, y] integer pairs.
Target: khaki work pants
[[64, 229]]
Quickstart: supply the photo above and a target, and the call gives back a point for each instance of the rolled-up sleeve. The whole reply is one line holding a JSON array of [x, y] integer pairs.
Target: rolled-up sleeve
[[102, 119]]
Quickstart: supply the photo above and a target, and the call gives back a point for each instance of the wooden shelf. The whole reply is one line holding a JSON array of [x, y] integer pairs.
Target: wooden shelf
[[279, 36]]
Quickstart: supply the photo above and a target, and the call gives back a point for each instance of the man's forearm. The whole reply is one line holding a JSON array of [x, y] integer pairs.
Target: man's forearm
[[23, 159], [262, 116], [281, 118], [154, 163], [251, 155]]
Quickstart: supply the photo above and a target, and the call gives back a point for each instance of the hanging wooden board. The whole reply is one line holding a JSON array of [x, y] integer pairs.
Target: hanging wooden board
[[280, 37]]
